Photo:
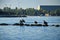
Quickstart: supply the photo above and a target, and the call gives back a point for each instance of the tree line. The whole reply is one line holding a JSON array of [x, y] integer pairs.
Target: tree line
[[28, 12]]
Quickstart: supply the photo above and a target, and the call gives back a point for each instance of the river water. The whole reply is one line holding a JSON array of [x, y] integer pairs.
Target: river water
[[30, 32]]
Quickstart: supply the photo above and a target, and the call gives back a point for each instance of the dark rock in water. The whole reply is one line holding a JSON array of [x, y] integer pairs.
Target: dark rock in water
[[53, 25], [21, 24], [57, 25], [45, 25], [4, 24], [16, 24], [36, 24], [27, 24]]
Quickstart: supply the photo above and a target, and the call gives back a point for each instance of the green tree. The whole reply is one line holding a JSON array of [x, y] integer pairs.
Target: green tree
[[58, 12], [30, 11]]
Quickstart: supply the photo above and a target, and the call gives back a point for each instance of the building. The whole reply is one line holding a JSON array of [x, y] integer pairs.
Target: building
[[50, 7]]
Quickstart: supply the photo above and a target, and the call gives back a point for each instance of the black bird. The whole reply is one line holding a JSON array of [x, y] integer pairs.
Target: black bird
[[35, 22], [45, 23], [22, 22]]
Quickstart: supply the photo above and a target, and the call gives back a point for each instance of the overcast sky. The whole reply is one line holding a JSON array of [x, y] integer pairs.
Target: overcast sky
[[27, 3]]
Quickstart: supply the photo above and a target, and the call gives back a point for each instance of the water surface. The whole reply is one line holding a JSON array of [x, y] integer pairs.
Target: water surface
[[30, 32]]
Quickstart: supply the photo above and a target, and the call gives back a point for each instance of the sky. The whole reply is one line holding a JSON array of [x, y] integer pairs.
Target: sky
[[27, 3]]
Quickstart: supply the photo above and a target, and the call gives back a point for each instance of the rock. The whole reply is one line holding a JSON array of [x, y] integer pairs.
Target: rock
[[57, 25], [4, 24]]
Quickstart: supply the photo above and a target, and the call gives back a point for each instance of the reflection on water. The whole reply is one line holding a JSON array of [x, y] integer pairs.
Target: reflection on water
[[29, 33]]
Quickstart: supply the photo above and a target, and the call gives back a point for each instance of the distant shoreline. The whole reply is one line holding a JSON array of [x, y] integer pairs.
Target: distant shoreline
[[29, 16], [14, 16]]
